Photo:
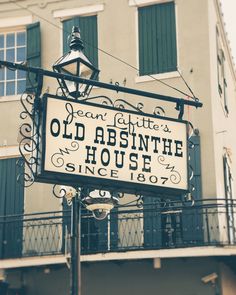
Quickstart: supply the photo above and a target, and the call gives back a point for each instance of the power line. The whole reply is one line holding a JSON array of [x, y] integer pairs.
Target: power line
[[111, 55], [187, 84]]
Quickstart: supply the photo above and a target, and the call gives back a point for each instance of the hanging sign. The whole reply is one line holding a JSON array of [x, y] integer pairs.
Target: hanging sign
[[89, 144]]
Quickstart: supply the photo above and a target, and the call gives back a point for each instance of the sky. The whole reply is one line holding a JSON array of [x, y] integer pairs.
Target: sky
[[229, 11]]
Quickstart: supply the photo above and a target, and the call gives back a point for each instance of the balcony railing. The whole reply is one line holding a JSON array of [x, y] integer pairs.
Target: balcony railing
[[156, 226]]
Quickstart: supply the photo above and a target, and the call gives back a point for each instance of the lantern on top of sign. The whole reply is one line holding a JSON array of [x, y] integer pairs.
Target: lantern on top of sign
[[75, 63]]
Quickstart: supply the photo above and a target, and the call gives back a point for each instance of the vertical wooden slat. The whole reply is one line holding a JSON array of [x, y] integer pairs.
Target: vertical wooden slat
[[155, 42], [3, 177], [160, 40], [173, 61], [141, 42]]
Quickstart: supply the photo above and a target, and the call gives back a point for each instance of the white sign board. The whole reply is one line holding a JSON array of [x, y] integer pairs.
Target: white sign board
[[86, 142]]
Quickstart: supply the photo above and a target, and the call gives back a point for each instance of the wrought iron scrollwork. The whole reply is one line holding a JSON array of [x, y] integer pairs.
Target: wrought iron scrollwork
[[180, 108], [59, 191], [124, 104], [159, 111], [28, 139], [65, 192], [86, 194]]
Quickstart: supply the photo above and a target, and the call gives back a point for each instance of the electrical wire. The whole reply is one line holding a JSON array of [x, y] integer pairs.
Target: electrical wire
[[196, 99], [113, 56]]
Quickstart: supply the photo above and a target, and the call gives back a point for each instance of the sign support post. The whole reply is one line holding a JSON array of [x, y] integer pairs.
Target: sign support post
[[75, 278], [75, 273]]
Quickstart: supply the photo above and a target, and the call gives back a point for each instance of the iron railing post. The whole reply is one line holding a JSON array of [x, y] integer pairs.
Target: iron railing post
[[75, 271], [207, 226]]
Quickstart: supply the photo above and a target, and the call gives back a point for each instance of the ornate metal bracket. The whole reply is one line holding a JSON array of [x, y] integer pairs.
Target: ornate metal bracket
[[28, 145]]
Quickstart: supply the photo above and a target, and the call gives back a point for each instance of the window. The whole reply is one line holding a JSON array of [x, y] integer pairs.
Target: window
[[157, 39], [89, 35], [13, 49], [222, 84], [19, 46]]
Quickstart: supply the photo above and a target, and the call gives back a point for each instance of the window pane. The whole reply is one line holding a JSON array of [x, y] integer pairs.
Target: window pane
[[1, 54], [1, 89], [11, 75], [1, 41], [10, 40], [20, 38], [10, 55], [20, 54], [21, 85], [2, 74], [21, 74], [10, 88]]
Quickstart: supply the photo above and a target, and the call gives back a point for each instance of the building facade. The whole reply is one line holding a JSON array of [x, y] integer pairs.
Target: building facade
[[173, 47]]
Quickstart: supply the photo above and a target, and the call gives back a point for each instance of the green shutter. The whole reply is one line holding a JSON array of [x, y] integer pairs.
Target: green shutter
[[33, 52], [157, 39], [195, 163], [192, 222], [114, 229], [102, 232], [152, 222], [12, 192], [11, 203], [89, 35]]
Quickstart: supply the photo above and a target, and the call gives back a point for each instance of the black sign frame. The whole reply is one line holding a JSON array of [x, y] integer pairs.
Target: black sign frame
[[44, 176]]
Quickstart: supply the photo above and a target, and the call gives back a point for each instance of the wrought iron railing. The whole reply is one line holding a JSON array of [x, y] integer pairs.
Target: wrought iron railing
[[156, 226]]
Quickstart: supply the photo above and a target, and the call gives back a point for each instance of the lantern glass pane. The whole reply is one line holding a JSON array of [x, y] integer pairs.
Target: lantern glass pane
[[71, 69], [85, 71]]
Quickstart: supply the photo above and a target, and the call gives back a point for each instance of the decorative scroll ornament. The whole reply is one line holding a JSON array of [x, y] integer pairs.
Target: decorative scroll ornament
[[58, 160], [29, 139], [67, 192], [175, 177], [124, 104], [87, 194], [159, 111]]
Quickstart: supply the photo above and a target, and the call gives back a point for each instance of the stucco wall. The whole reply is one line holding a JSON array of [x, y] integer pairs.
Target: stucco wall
[[118, 35], [176, 276], [228, 280]]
